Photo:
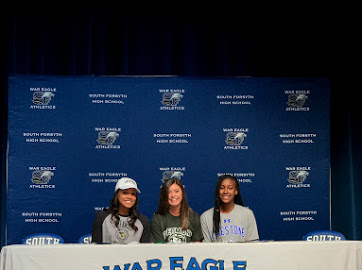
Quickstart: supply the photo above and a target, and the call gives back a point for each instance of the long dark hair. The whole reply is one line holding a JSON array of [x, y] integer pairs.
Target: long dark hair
[[163, 204], [217, 201], [113, 208]]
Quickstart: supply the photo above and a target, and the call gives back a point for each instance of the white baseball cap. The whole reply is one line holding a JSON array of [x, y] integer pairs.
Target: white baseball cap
[[126, 183]]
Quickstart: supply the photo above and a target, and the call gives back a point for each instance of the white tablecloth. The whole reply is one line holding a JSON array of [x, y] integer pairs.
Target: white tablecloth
[[287, 255]]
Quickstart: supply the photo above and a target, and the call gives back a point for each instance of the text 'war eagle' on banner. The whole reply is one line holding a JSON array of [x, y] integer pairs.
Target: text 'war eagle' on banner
[[72, 138]]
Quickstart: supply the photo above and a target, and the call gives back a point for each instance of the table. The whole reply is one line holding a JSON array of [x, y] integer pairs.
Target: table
[[209, 256]]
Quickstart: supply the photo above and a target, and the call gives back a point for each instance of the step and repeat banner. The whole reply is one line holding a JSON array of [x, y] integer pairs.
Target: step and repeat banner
[[72, 138]]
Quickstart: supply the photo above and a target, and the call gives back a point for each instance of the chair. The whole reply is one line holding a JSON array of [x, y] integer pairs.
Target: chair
[[43, 239], [324, 235]]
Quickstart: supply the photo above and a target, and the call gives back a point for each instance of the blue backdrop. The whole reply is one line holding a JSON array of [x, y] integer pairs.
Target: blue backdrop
[[71, 138]]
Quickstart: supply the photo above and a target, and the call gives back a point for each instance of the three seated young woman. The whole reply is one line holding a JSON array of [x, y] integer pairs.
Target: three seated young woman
[[175, 221]]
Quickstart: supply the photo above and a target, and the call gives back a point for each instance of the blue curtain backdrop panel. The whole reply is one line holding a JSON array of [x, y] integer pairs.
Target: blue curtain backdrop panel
[[71, 138]]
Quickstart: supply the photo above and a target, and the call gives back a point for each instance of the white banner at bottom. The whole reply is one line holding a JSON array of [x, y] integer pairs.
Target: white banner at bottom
[[195, 256]]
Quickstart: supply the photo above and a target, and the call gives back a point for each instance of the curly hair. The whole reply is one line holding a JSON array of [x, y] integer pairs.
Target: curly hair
[[113, 208], [217, 201]]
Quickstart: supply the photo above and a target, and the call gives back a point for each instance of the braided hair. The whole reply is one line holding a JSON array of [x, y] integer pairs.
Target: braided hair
[[217, 201]]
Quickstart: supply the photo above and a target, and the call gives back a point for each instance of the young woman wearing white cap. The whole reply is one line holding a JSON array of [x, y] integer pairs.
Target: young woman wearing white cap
[[121, 223]]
